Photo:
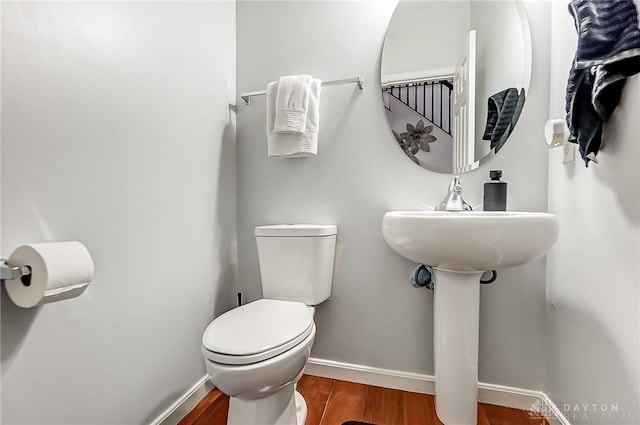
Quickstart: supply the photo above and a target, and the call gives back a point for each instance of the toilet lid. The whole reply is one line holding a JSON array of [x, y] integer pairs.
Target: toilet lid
[[256, 331]]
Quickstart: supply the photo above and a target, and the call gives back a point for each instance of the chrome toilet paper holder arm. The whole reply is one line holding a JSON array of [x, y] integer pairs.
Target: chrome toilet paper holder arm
[[8, 272]]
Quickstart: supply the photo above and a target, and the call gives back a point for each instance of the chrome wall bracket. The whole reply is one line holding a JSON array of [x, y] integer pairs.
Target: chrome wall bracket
[[8, 272]]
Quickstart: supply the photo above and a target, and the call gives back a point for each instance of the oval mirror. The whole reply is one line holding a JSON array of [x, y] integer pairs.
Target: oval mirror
[[454, 77]]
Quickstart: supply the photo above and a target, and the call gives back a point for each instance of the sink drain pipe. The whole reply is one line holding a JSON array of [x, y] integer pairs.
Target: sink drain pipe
[[494, 276], [423, 276]]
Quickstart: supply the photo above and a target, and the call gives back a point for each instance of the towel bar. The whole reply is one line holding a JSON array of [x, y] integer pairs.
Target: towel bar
[[359, 81]]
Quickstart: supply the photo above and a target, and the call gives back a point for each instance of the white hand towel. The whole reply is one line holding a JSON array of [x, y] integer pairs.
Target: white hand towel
[[292, 102], [293, 145]]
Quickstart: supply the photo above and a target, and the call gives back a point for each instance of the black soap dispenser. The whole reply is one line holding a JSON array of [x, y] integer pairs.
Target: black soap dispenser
[[495, 192]]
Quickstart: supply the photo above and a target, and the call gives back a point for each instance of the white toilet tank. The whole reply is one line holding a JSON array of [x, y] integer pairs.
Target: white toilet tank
[[296, 261]]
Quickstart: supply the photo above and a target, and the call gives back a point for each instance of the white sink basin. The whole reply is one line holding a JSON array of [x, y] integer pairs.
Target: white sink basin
[[461, 246], [470, 240]]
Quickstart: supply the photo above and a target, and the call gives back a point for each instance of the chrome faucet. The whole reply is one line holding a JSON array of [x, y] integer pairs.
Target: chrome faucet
[[453, 201]]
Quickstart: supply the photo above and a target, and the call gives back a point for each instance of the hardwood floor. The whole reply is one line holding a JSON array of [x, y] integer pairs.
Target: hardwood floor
[[333, 402]]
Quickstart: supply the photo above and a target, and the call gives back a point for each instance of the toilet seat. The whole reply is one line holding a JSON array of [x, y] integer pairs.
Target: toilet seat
[[257, 331]]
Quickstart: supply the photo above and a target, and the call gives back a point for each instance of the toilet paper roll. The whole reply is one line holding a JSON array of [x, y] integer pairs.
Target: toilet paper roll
[[555, 133], [59, 271]]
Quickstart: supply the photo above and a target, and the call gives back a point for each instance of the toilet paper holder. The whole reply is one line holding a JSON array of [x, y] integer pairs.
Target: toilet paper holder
[[8, 272]]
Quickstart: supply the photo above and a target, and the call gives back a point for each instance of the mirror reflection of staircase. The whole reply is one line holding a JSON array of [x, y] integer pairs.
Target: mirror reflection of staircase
[[431, 100]]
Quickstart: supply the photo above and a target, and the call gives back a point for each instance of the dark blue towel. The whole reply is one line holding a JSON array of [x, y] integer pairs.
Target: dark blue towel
[[608, 53], [503, 111]]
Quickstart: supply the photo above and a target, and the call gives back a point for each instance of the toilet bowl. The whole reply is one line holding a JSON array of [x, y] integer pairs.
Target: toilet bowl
[[257, 352]]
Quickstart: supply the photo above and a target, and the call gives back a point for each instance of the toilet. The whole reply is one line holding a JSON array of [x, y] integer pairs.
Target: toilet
[[257, 352]]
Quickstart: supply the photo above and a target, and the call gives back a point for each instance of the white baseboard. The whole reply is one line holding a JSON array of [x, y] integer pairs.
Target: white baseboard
[[178, 410], [499, 395], [405, 381], [554, 415]]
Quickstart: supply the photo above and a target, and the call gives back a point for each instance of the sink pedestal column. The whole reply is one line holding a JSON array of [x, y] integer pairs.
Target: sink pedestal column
[[455, 344]]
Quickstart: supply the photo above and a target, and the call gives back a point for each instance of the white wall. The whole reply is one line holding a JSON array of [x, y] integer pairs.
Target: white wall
[[116, 131], [593, 305], [374, 317]]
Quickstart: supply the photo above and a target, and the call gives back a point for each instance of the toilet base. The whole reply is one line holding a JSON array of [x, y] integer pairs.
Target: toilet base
[[301, 408], [284, 407]]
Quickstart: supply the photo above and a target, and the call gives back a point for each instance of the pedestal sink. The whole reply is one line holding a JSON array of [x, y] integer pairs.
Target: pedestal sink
[[461, 246]]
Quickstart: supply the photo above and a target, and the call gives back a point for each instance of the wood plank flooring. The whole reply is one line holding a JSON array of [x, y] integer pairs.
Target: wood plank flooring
[[333, 402]]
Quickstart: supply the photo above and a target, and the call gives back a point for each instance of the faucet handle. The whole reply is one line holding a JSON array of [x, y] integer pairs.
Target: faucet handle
[[457, 189], [453, 201], [455, 186]]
